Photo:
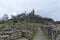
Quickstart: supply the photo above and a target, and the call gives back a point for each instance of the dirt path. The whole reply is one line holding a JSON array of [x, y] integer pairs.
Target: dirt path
[[22, 39], [40, 36]]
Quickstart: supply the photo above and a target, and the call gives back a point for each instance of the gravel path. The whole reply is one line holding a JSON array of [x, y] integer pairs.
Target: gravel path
[[40, 36], [22, 39]]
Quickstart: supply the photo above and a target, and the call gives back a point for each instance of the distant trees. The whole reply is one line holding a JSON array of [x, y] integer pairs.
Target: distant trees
[[57, 22], [13, 17], [18, 16], [48, 19], [5, 17]]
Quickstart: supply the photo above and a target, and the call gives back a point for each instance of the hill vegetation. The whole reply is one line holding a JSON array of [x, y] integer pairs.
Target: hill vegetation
[[23, 25], [30, 17]]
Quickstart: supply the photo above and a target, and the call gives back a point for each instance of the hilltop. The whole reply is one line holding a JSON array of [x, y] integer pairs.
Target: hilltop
[[27, 26]]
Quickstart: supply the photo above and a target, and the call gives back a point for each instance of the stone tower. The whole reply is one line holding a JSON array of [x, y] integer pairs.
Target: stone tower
[[32, 13]]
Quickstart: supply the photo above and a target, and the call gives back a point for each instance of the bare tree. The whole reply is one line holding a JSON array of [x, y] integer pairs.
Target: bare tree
[[5, 17], [13, 17]]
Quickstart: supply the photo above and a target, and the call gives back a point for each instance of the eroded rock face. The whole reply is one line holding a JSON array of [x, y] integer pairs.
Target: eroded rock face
[[5, 37], [16, 31], [58, 37]]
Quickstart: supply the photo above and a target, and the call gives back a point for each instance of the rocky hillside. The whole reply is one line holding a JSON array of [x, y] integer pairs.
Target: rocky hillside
[[18, 30], [27, 26]]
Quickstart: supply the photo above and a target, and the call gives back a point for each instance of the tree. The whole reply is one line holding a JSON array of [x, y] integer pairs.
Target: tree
[[13, 17], [5, 17]]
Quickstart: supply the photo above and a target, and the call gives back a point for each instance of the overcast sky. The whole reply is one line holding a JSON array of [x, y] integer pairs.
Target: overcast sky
[[45, 8]]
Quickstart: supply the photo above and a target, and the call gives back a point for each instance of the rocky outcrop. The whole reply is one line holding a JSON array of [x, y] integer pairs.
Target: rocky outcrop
[[16, 31]]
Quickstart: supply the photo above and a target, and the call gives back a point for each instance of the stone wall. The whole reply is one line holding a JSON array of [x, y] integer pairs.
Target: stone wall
[[49, 31], [52, 32]]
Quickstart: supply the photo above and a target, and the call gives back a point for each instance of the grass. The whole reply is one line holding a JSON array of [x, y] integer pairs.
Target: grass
[[34, 34], [47, 36], [6, 23]]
